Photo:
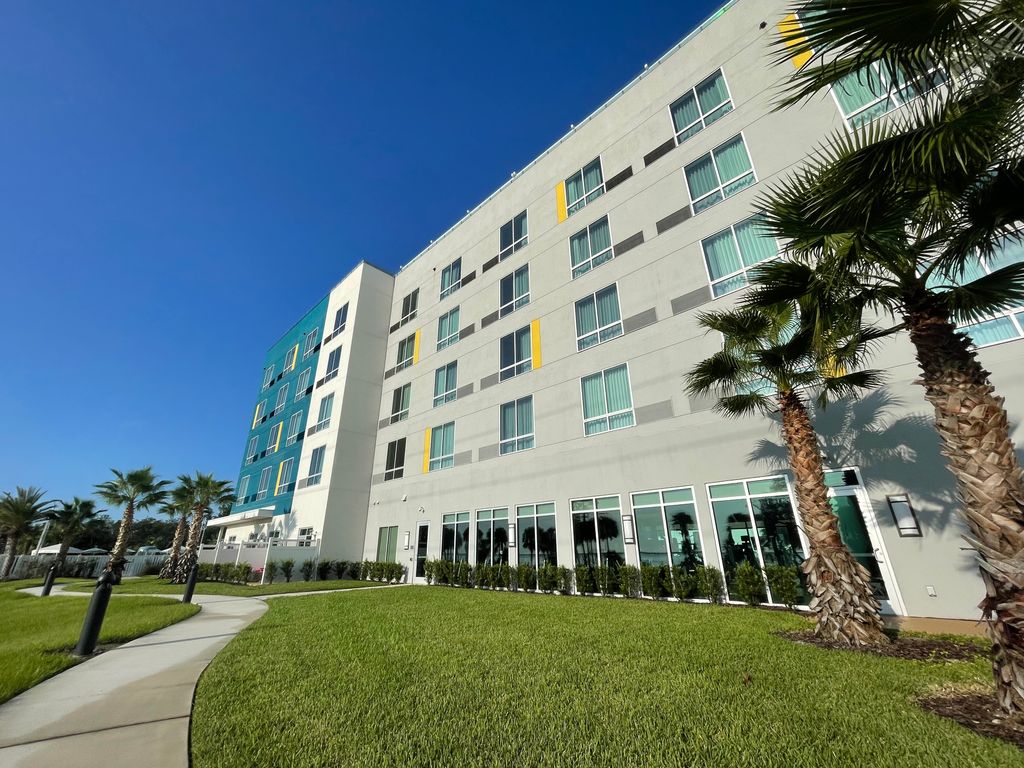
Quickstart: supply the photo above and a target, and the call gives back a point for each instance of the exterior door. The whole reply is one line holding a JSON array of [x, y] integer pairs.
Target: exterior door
[[422, 536]]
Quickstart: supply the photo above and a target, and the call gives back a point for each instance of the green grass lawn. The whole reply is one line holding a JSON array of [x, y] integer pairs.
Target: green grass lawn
[[152, 585], [437, 676], [38, 633]]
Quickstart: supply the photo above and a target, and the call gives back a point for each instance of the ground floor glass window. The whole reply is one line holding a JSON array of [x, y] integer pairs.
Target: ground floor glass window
[[535, 524], [492, 536], [597, 532], [455, 537], [667, 532]]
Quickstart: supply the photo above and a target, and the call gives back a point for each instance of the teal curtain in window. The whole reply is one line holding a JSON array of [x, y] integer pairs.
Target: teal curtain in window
[[325, 407], [440, 382], [600, 236], [756, 244], [593, 397], [522, 283], [586, 316], [592, 176], [574, 188], [972, 271], [523, 351], [524, 416], [608, 306], [721, 256], [451, 275], [700, 176], [616, 384], [508, 421], [991, 331], [711, 93], [685, 112], [1010, 251], [447, 324], [858, 89], [448, 446], [732, 159], [579, 248]]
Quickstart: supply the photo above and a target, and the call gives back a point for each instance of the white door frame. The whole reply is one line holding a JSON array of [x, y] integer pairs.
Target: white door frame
[[413, 578]]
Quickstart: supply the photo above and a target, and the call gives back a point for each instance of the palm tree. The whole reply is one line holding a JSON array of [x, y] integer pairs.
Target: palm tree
[[135, 490], [70, 519], [766, 364], [17, 515], [178, 507], [205, 492], [892, 217]]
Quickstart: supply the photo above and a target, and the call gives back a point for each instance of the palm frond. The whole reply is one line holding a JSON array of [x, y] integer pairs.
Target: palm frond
[[743, 404], [995, 292], [720, 373]]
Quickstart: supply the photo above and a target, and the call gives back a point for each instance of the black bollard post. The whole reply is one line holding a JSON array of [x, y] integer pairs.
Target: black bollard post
[[94, 617], [48, 581], [190, 585]]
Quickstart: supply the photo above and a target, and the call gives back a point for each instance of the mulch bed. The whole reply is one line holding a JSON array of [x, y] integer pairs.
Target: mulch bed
[[912, 648], [976, 711]]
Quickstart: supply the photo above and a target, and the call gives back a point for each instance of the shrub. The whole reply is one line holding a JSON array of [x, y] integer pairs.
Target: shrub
[[270, 571], [710, 583], [307, 569], [428, 571], [395, 572], [684, 584], [603, 578], [503, 576], [241, 573], [205, 572], [340, 569], [748, 584], [628, 577], [354, 569], [548, 578], [656, 580], [484, 574], [585, 581], [323, 570], [287, 567], [149, 569], [784, 583], [565, 580], [463, 575], [526, 578]]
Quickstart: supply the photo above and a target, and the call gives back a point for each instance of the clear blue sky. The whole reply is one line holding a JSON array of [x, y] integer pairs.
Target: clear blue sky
[[180, 181]]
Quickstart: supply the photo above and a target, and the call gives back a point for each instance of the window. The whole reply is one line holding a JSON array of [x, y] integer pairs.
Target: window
[[316, 465], [537, 544], [340, 318], [754, 523], [492, 536], [903, 515], [409, 307], [261, 408], [517, 425], [400, 403], [284, 476], [305, 537], [310, 343], [700, 106], [733, 251], [406, 349], [445, 383], [597, 532], [303, 383], [250, 451], [451, 278], [870, 92], [607, 401], [448, 328], [268, 376], [583, 187], [395, 466], [442, 447], [282, 398], [243, 488], [333, 363], [323, 420], [387, 544], [294, 428], [667, 531], [264, 486], [598, 318], [514, 291], [590, 247], [455, 537], [513, 236], [291, 359], [1006, 325], [274, 438], [719, 174], [516, 353]]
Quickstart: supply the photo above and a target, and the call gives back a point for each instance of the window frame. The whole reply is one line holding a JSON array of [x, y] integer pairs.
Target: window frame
[[517, 302], [409, 308], [400, 396], [455, 284], [282, 398], [309, 343], [261, 489], [742, 272], [394, 467], [517, 438], [452, 337], [243, 489], [593, 513], [720, 189], [892, 92], [662, 504], [268, 377], [323, 423], [289, 485], [335, 357], [515, 366], [303, 383], [604, 391], [589, 196], [702, 119], [252, 449], [295, 420], [533, 515], [409, 341], [442, 460], [342, 315], [449, 395], [317, 453], [599, 329], [504, 251], [578, 270]]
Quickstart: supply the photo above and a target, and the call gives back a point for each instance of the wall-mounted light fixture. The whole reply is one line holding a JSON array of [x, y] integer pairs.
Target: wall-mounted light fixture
[[627, 529], [407, 534], [903, 514], [512, 535]]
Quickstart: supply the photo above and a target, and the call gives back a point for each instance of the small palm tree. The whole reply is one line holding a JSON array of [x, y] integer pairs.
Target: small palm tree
[[135, 490], [767, 364], [69, 520], [205, 492], [177, 508], [17, 515]]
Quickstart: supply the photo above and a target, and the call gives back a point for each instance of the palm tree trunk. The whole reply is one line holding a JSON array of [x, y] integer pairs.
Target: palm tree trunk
[[191, 554], [116, 562], [171, 566], [975, 434], [841, 598], [9, 554]]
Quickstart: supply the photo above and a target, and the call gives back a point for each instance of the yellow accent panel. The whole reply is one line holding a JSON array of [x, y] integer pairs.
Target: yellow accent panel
[[535, 342], [789, 26], [293, 356], [416, 349], [255, 417], [277, 485], [277, 442], [560, 202], [426, 451]]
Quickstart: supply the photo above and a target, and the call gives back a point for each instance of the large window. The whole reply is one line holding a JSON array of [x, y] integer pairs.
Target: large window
[[514, 291], [243, 489], [294, 428], [442, 447], [597, 531], [755, 524], [607, 401], [535, 526], [517, 425], [340, 318], [264, 486], [590, 247], [303, 383], [455, 537], [250, 451], [274, 437], [1006, 325], [409, 304], [584, 186], [513, 236], [733, 251], [400, 403], [284, 476], [316, 465], [387, 544], [323, 419], [446, 383], [667, 531], [291, 358], [268, 376], [333, 364], [598, 318], [870, 92], [282, 398], [406, 349], [448, 328], [719, 174], [451, 278], [700, 106], [394, 467], [516, 353], [261, 408], [492, 536], [310, 343]]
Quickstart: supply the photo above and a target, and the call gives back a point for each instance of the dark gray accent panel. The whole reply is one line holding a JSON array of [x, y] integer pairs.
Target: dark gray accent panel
[[377, 479], [464, 391], [629, 243], [490, 263], [654, 412], [389, 373], [701, 402], [395, 327], [490, 381], [659, 151], [469, 330], [617, 179], [469, 278], [488, 319], [640, 320], [690, 300], [486, 452], [383, 423], [673, 219], [466, 457]]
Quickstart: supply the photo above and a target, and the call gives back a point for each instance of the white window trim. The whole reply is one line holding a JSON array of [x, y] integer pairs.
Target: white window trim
[[446, 292], [721, 184], [703, 116], [412, 312], [528, 362], [243, 489], [300, 390], [517, 301], [281, 402], [314, 479], [396, 472], [261, 491], [332, 373], [402, 415], [593, 513], [584, 201], [268, 377], [743, 270], [443, 398], [401, 365], [514, 518], [608, 415], [440, 460], [310, 343], [290, 485], [514, 441], [522, 242], [664, 525], [293, 436], [597, 331], [589, 263], [1010, 314], [848, 119], [451, 338], [254, 442]]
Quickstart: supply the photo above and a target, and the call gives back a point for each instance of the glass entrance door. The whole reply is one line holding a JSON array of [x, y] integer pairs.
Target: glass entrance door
[[422, 534], [855, 536]]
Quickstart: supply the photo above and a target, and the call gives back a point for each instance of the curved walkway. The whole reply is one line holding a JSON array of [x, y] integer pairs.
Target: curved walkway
[[129, 705]]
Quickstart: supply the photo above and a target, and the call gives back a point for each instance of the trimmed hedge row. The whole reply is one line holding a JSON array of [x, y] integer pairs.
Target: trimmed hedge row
[[228, 572], [323, 570]]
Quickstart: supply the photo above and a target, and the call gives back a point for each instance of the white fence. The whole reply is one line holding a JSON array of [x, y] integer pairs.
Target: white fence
[[81, 566], [259, 553]]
